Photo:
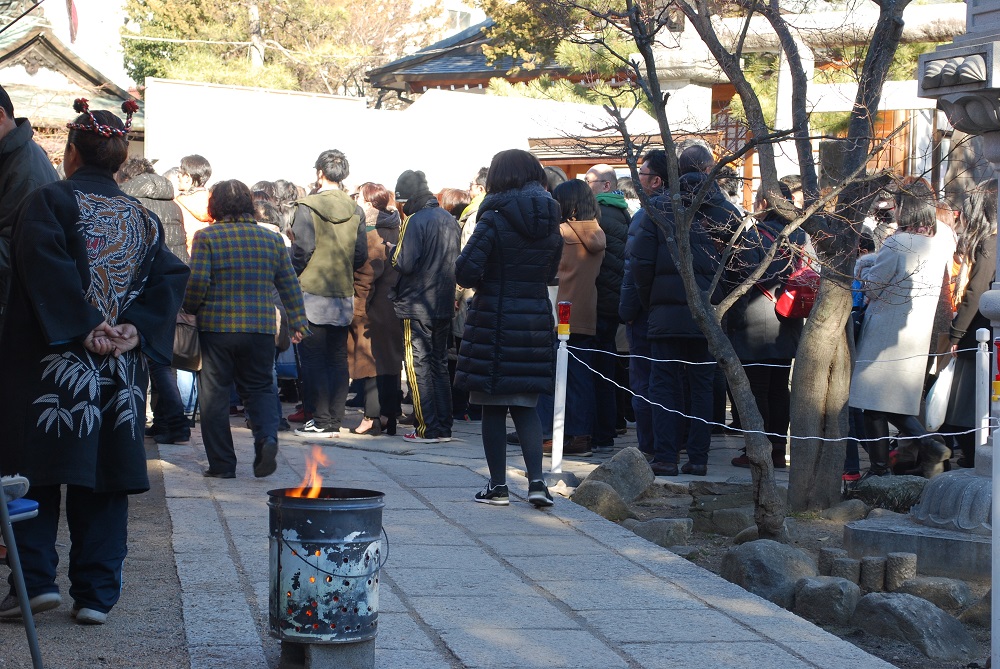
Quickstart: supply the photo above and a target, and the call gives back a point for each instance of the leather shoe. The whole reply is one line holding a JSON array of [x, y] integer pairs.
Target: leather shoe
[[663, 468], [695, 470], [268, 454], [208, 473]]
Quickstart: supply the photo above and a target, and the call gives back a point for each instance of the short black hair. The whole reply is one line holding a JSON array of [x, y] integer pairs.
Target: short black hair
[[265, 212], [6, 104], [132, 168], [230, 200], [106, 153], [695, 158], [627, 187], [656, 161], [576, 201], [513, 169], [553, 177], [198, 168], [729, 180], [334, 166], [481, 175]]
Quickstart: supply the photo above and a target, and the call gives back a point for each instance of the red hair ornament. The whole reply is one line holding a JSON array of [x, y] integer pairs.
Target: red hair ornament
[[82, 106]]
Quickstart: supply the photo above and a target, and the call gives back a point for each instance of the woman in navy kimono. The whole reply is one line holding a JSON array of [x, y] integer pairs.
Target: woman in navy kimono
[[93, 288]]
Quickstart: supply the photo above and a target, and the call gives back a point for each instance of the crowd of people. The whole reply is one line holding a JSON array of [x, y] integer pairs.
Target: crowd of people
[[456, 290]]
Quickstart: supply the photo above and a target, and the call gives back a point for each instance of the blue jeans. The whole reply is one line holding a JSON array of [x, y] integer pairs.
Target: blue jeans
[[324, 354], [666, 387], [98, 530], [580, 387], [168, 413], [638, 372], [187, 386]]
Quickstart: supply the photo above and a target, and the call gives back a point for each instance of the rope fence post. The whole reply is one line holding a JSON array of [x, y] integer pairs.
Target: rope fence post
[[559, 401], [982, 386]]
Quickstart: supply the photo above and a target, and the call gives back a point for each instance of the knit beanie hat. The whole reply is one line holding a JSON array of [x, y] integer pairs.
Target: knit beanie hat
[[411, 184]]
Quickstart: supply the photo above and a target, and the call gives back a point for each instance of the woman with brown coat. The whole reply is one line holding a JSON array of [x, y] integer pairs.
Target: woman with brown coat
[[375, 342]]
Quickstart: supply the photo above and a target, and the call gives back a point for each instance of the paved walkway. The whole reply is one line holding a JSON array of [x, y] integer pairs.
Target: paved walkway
[[471, 585]]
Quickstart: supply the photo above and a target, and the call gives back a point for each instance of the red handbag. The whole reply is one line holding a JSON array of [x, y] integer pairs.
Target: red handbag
[[799, 294]]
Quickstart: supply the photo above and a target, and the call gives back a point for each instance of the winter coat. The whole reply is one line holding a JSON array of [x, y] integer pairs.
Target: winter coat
[[512, 256], [658, 282], [83, 253], [614, 222], [583, 252], [467, 223], [903, 284], [157, 195], [756, 331], [629, 305], [375, 344], [425, 260]]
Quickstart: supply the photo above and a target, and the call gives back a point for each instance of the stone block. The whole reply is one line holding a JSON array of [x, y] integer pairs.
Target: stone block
[[602, 499], [826, 558], [884, 513], [852, 509], [898, 568], [627, 472], [359, 655], [896, 493], [846, 568], [826, 600], [936, 634], [872, 574], [768, 569], [714, 488], [980, 613], [730, 522], [949, 594], [752, 533], [665, 532]]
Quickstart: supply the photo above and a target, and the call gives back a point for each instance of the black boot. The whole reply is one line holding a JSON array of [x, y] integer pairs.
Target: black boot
[[933, 453], [877, 429]]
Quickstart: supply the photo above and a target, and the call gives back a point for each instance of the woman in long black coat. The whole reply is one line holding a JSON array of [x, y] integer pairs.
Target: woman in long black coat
[[507, 356], [93, 289]]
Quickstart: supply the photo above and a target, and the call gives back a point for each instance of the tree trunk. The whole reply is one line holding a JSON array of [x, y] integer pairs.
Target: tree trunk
[[820, 389], [256, 39]]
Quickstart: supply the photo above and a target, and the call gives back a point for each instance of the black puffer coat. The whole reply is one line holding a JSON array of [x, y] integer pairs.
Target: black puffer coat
[[614, 222], [658, 280], [512, 256], [156, 194]]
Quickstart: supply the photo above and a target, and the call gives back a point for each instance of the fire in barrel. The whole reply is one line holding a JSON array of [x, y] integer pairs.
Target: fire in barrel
[[325, 555]]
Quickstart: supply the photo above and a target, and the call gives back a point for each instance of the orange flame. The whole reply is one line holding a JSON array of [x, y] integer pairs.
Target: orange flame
[[312, 483]]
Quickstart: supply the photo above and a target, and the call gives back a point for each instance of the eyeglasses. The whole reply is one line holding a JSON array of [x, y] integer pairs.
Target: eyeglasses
[[594, 181], [647, 174]]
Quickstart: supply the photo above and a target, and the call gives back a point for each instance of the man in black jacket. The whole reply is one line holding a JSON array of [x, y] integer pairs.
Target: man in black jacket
[[24, 166], [424, 299], [678, 346]]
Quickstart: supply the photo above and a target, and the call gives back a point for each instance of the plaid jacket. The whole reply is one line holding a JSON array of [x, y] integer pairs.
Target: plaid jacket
[[234, 264]]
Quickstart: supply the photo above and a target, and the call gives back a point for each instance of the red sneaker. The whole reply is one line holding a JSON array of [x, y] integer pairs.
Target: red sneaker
[[300, 416]]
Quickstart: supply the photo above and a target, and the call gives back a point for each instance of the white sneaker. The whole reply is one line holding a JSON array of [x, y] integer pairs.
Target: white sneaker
[[87, 616], [310, 429]]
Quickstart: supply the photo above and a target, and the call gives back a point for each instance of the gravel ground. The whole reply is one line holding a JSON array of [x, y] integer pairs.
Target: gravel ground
[[144, 630]]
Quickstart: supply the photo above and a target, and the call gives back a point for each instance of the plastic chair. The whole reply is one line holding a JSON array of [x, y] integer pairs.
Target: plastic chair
[[11, 512]]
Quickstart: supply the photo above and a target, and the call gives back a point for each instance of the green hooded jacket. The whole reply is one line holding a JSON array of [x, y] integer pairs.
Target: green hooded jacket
[[329, 271]]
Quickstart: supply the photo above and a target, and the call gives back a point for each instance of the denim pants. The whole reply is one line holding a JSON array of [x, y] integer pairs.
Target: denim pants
[[324, 354], [98, 531], [667, 387], [638, 372], [248, 360]]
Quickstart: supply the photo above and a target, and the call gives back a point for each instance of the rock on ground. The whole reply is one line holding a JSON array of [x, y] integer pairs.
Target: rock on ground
[[896, 493], [665, 532], [627, 472], [845, 512], [935, 633], [826, 600], [979, 614], [768, 569], [602, 499], [947, 593], [752, 533]]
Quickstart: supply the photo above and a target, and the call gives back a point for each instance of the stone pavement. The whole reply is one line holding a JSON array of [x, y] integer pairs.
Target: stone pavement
[[472, 585]]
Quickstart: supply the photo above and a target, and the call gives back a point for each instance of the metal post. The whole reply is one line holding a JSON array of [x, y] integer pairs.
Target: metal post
[[982, 386]]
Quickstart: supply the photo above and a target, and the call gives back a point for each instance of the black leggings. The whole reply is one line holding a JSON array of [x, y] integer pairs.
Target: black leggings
[[877, 427], [529, 432]]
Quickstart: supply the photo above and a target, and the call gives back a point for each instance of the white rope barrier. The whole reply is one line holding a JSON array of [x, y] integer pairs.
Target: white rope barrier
[[993, 422], [759, 364]]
